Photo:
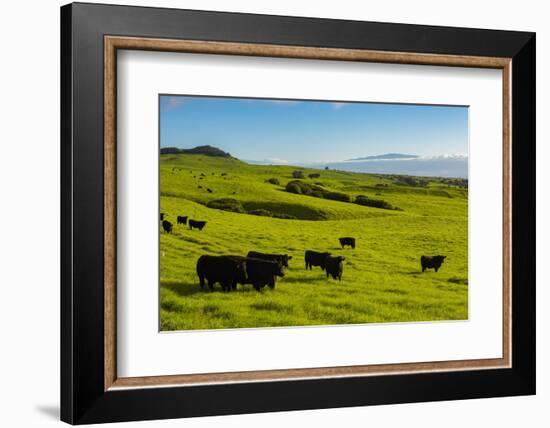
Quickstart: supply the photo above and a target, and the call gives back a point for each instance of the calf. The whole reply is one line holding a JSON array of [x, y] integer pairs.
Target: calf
[[431, 262], [167, 226], [196, 224], [281, 258], [347, 241], [182, 219], [314, 258], [261, 272], [335, 267], [161, 216], [223, 269]]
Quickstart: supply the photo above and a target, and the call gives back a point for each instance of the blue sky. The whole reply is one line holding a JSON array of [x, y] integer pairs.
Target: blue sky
[[311, 131]]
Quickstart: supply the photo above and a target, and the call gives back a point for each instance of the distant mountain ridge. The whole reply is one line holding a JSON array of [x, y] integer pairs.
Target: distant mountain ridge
[[199, 150], [385, 156]]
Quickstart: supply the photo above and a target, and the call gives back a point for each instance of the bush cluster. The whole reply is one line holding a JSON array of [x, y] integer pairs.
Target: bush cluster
[[375, 203], [226, 204], [262, 212], [407, 180], [233, 205], [273, 181], [303, 188]]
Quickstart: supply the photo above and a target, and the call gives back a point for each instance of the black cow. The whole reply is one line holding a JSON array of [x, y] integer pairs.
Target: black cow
[[431, 262], [347, 241], [161, 216], [182, 219], [209, 190], [261, 272], [196, 224], [167, 226], [223, 269], [314, 258], [334, 266], [281, 258]]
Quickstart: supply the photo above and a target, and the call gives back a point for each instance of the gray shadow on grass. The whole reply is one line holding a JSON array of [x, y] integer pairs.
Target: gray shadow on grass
[[292, 279], [190, 288], [186, 288]]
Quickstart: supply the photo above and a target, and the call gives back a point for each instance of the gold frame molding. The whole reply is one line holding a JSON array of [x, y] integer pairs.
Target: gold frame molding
[[113, 43]]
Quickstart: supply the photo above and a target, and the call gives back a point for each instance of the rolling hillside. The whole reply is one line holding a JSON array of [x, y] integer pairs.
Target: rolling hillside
[[382, 279]]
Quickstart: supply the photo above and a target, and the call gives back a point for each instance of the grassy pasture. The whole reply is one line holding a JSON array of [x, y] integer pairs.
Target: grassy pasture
[[382, 279]]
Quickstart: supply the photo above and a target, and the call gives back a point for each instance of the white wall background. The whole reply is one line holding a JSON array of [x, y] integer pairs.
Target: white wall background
[[29, 214]]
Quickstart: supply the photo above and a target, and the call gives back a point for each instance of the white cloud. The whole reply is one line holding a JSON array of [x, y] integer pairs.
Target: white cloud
[[276, 161]]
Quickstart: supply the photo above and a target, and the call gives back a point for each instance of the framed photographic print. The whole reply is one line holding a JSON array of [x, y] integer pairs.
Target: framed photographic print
[[266, 213]]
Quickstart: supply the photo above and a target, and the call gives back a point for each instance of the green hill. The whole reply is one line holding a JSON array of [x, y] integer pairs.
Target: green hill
[[382, 280]]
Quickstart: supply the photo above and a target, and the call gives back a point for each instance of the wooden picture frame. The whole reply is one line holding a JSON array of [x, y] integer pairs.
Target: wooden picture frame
[[91, 390]]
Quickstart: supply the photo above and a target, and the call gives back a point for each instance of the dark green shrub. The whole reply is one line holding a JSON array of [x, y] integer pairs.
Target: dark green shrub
[[273, 181], [337, 196], [375, 203], [262, 212], [314, 175], [226, 204], [294, 187], [284, 216], [407, 180], [297, 174], [302, 188]]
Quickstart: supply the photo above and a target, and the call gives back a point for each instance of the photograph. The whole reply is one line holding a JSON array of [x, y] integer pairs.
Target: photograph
[[287, 213]]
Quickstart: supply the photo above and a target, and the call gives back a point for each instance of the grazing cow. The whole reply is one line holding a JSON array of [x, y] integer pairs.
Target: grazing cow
[[261, 272], [314, 258], [200, 178], [209, 190], [334, 266], [203, 174], [347, 241], [182, 219], [200, 187], [167, 226], [431, 262], [196, 224], [161, 216], [281, 258], [223, 269]]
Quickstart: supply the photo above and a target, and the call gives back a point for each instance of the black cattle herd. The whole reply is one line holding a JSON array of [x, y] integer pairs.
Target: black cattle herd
[[262, 269]]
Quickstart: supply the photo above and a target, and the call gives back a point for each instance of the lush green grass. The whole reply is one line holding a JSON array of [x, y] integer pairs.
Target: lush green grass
[[382, 279]]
